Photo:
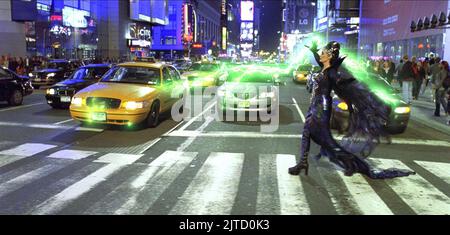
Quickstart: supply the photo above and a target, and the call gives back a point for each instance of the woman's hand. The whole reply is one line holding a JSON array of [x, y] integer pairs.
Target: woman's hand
[[313, 47]]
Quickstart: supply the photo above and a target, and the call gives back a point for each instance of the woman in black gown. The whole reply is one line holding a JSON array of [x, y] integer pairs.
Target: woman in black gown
[[368, 114]]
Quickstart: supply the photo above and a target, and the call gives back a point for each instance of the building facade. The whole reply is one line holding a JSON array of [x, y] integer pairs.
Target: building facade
[[12, 39], [385, 32]]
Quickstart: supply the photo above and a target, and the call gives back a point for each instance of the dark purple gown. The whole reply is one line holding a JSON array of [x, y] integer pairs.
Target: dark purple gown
[[368, 115]]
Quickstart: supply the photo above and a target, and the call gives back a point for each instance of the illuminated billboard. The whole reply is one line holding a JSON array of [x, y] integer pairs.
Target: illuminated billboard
[[247, 10], [76, 18], [246, 31]]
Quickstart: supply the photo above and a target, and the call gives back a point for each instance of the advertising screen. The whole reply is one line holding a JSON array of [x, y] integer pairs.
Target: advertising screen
[[76, 18], [247, 10], [247, 31]]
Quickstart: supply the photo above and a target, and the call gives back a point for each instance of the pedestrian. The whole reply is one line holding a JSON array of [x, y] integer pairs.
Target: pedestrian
[[407, 77], [427, 74], [421, 75], [387, 72], [398, 72], [435, 69], [416, 66], [439, 82]]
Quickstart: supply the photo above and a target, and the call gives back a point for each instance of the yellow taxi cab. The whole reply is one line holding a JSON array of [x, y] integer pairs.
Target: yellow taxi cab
[[204, 74], [301, 73], [128, 94]]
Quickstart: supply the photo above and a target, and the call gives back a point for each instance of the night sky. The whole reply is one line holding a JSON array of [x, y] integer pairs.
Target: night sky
[[271, 11]]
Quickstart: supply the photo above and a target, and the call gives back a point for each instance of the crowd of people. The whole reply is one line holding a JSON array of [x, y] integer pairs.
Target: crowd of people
[[415, 76]]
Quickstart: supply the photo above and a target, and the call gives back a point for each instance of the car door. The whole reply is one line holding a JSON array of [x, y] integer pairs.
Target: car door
[[177, 87], [167, 83]]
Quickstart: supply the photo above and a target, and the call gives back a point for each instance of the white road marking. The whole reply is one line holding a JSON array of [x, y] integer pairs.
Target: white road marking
[[192, 138], [243, 134], [365, 197], [415, 191], [215, 186], [72, 154], [196, 117], [299, 110], [88, 129], [27, 150], [20, 107], [61, 122], [159, 175], [439, 169], [60, 200], [47, 126], [150, 145], [27, 178], [292, 197]]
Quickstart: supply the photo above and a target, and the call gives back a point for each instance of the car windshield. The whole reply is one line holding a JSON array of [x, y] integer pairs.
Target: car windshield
[[205, 67], [138, 75], [255, 77], [88, 73]]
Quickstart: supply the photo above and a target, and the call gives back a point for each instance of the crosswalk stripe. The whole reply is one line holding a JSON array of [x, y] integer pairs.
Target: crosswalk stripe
[[27, 150], [365, 197], [441, 170], [214, 188], [415, 191], [57, 202], [26, 178], [71, 154], [292, 197], [154, 181]]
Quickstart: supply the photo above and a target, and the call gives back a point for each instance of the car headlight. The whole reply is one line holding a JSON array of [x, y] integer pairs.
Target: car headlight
[[300, 75], [77, 101], [132, 105], [30, 75], [51, 91], [267, 95], [50, 75], [343, 106], [402, 110], [209, 79]]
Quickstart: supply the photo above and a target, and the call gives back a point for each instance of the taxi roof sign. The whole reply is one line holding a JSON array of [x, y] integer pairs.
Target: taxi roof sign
[[145, 59]]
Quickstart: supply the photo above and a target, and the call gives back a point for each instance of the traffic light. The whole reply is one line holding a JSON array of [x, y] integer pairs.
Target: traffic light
[[426, 23], [419, 25], [434, 21], [442, 19], [413, 26]]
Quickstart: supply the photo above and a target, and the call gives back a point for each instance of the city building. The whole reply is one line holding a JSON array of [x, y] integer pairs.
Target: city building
[[168, 39], [81, 28], [385, 30], [201, 27], [338, 20], [13, 31]]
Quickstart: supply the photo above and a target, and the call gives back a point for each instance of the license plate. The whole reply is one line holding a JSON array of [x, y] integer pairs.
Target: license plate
[[37, 80], [244, 104], [65, 99], [101, 117]]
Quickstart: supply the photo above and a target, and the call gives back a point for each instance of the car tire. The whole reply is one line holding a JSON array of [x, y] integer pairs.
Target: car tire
[[153, 115], [16, 98]]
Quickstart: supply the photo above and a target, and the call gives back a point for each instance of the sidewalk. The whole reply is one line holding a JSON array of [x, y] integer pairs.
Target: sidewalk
[[422, 110]]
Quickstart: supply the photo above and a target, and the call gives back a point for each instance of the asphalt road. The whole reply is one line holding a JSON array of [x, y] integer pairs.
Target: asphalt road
[[49, 164]]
